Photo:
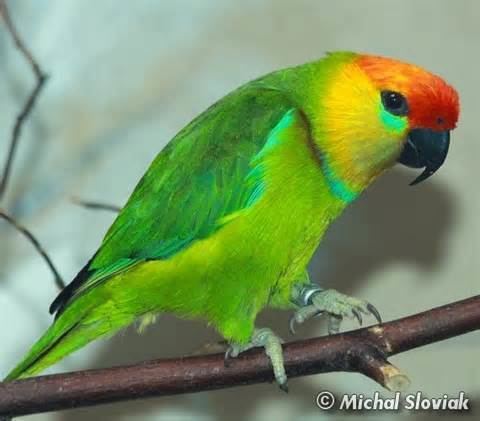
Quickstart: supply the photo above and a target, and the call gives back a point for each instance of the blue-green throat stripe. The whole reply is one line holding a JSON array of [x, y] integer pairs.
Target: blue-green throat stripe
[[337, 186]]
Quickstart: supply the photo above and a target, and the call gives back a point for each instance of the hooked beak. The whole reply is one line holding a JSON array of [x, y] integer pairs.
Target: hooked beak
[[425, 148]]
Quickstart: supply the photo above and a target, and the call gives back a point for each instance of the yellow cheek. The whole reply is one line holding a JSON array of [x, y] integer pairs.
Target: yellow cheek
[[352, 106], [357, 140]]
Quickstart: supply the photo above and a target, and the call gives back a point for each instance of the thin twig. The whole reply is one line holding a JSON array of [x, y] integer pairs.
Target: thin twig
[[40, 77], [57, 278], [364, 351], [96, 205]]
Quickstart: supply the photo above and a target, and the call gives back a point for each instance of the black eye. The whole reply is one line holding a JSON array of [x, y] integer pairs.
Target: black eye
[[394, 103]]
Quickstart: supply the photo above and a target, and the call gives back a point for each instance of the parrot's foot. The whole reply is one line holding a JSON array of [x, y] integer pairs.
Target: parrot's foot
[[315, 301], [273, 348]]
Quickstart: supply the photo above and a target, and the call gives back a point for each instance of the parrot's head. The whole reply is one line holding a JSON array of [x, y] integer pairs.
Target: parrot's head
[[378, 111]]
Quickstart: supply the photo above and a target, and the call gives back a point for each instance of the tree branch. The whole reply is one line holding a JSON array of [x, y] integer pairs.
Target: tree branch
[[27, 108], [38, 247], [364, 350], [96, 205]]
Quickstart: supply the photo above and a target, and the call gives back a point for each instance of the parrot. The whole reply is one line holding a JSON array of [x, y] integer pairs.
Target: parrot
[[227, 217]]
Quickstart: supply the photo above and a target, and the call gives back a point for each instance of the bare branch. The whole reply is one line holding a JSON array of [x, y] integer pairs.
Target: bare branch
[[364, 351], [96, 205], [373, 364], [57, 278], [29, 104]]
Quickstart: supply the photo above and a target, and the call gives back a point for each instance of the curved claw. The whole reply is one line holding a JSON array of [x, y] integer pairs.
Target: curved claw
[[283, 386], [358, 316], [297, 319], [291, 324], [372, 309], [228, 356]]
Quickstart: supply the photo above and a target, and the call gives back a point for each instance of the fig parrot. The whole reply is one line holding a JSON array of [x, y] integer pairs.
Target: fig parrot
[[229, 213]]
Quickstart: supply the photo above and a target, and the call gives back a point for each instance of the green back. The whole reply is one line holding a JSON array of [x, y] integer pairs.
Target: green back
[[204, 174]]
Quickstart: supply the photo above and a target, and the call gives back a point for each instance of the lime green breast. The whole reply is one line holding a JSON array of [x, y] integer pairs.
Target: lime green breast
[[294, 213]]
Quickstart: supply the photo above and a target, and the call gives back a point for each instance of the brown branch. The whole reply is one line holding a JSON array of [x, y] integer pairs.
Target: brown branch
[[29, 104], [56, 276], [364, 350]]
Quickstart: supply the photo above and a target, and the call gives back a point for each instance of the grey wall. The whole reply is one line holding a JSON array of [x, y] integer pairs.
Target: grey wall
[[125, 76]]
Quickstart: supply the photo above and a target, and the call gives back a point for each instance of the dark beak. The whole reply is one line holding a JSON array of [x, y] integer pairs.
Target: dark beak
[[427, 149]]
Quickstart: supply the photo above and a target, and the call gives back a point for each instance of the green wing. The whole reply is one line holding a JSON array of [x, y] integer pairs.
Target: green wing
[[203, 175]]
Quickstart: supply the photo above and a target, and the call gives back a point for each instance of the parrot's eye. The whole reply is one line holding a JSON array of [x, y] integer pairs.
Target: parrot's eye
[[394, 103]]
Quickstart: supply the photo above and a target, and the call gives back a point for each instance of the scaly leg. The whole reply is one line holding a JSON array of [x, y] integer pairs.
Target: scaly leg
[[265, 338], [313, 300]]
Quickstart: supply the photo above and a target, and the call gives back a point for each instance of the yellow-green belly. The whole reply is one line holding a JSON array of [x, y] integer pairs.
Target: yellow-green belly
[[249, 263]]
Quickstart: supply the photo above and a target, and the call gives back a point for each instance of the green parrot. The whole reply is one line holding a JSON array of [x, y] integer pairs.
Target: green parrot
[[227, 217]]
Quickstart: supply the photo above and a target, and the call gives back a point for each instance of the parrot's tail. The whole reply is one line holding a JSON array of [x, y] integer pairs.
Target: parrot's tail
[[82, 321]]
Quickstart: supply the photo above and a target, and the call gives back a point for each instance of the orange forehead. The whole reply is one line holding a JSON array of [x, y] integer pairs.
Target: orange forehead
[[432, 102]]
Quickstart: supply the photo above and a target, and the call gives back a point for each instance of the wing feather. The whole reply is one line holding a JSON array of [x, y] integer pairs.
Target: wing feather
[[200, 180]]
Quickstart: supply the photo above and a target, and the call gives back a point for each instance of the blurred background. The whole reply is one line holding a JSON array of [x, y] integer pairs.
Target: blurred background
[[126, 76]]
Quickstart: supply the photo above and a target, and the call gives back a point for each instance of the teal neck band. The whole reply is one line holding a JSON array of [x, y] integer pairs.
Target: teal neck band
[[337, 186]]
